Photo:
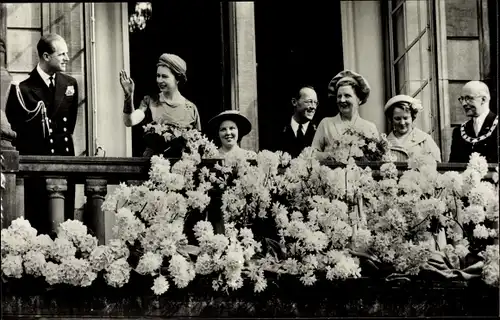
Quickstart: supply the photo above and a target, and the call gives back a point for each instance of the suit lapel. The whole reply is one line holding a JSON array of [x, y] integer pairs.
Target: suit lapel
[[59, 94], [39, 87], [469, 129], [311, 130], [488, 122]]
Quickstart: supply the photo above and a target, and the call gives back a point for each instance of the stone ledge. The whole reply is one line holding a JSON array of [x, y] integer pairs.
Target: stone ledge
[[283, 298]]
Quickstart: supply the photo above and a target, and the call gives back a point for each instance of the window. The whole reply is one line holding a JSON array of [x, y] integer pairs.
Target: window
[[25, 23], [411, 58]]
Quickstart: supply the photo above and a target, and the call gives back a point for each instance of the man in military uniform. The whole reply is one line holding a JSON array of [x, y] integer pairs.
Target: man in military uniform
[[480, 133], [299, 131], [42, 110]]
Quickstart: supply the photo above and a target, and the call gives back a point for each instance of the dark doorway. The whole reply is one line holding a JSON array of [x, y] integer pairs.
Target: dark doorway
[[194, 31], [295, 43]]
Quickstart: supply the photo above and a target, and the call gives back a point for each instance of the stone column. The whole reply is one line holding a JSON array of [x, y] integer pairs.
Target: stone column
[[95, 190], [56, 188], [244, 67], [10, 161]]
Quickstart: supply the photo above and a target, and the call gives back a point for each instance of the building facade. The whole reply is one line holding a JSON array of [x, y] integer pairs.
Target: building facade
[[242, 55]]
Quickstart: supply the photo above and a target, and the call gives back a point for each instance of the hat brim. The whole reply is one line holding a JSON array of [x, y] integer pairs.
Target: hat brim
[[244, 125], [396, 99]]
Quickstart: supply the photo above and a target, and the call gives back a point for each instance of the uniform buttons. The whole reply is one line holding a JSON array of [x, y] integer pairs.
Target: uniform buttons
[[65, 138], [50, 121], [52, 150], [50, 130], [64, 129], [64, 119], [51, 141], [67, 149]]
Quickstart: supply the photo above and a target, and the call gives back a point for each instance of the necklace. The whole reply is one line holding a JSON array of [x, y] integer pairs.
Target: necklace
[[475, 140]]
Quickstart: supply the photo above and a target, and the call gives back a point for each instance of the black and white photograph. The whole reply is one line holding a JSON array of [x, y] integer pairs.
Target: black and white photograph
[[250, 159]]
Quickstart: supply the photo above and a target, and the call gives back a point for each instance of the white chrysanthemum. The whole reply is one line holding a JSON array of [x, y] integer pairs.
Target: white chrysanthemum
[[118, 273], [197, 200], [18, 238], [52, 273], [181, 270], [127, 226], [160, 285], [430, 207], [471, 178], [478, 163], [149, 263], [290, 266], [118, 249], [12, 266], [340, 234], [121, 193], [308, 279], [346, 267], [34, 263], [481, 232], [474, 214], [62, 249], [482, 194], [77, 272], [452, 181], [100, 258], [389, 171], [43, 244], [491, 270], [72, 230]]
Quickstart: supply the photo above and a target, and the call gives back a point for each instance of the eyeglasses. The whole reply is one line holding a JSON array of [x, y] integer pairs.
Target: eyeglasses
[[311, 102], [467, 99]]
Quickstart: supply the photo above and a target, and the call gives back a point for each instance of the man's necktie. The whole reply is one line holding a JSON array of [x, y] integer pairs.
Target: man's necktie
[[52, 87], [300, 133], [476, 126]]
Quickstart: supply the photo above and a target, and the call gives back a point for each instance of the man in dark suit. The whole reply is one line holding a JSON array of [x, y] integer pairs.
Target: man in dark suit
[[43, 110], [480, 133], [299, 131]]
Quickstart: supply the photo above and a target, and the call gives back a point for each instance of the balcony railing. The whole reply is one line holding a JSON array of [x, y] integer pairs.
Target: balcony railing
[[96, 174]]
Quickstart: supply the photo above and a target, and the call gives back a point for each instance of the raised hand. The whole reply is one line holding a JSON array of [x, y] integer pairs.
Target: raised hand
[[127, 83]]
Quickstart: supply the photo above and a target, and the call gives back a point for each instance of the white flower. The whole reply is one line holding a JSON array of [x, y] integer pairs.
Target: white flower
[[181, 270], [127, 226], [52, 273], [478, 163], [100, 258], [12, 266], [480, 231], [491, 269], [389, 170], [73, 230], [474, 214], [118, 249], [160, 285], [197, 200], [62, 249], [308, 279], [76, 272], [43, 244], [118, 273], [34, 263], [149, 263]]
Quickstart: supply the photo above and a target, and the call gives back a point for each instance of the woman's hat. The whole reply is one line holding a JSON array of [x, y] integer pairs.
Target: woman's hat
[[174, 63], [348, 75], [415, 104], [244, 125]]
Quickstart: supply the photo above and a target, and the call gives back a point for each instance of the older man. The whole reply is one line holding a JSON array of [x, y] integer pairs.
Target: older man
[[480, 133], [298, 133]]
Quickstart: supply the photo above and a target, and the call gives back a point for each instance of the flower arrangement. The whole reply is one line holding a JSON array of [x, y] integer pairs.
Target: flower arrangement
[[239, 222], [357, 145], [137, 21], [171, 141]]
